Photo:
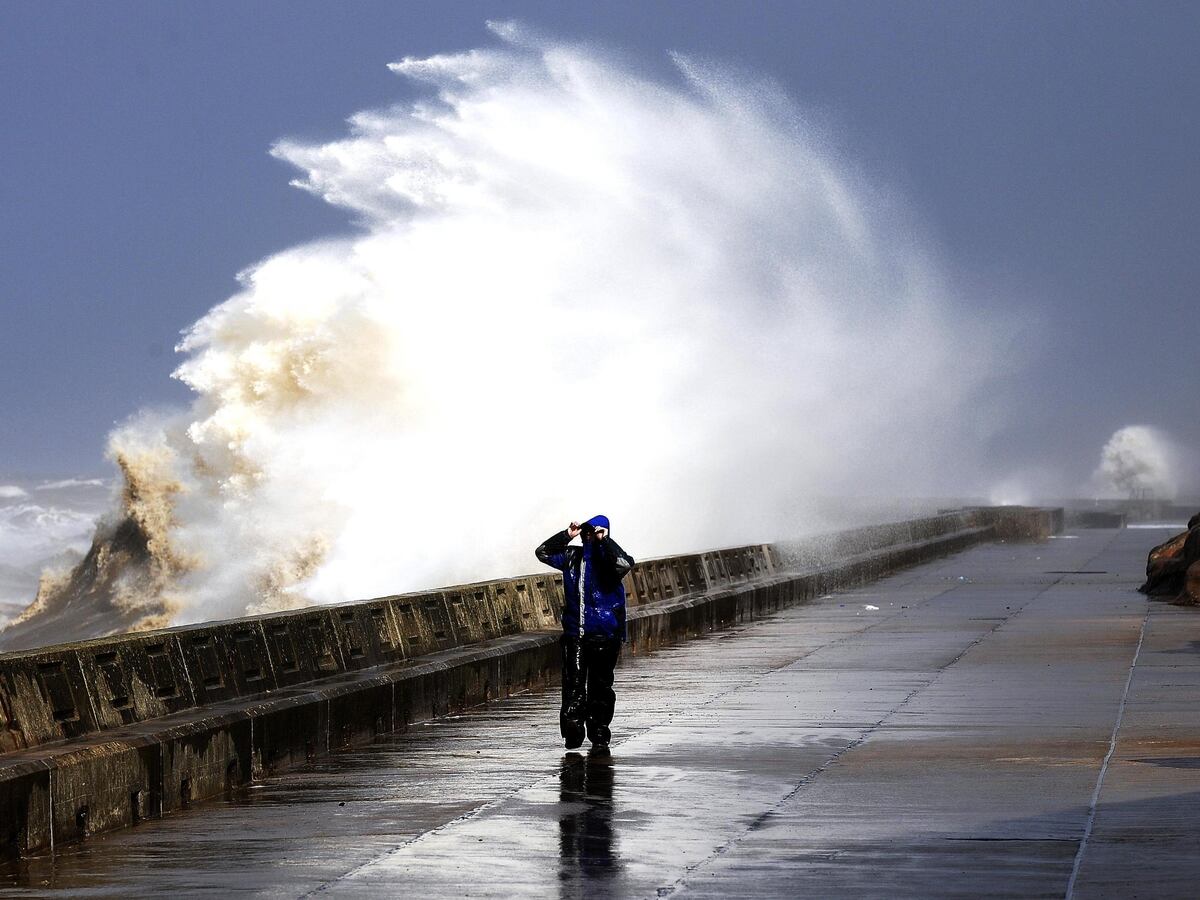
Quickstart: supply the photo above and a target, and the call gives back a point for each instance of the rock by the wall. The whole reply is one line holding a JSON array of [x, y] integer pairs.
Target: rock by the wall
[[1172, 572]]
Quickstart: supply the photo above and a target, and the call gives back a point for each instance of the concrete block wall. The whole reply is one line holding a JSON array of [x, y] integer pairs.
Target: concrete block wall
[[67, 691], [62, 793], [100, 734]]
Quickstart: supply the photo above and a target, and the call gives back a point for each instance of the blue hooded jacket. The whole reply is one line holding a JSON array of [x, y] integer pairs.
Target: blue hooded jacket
[[593, 595]]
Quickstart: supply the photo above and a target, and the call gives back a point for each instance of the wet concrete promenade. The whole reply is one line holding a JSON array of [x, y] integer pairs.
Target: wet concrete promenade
[[1011, 721]]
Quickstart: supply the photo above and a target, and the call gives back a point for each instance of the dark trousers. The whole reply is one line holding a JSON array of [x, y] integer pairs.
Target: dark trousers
[[587, 685]]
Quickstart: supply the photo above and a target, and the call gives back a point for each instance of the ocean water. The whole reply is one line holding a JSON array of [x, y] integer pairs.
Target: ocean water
[[44, 524]]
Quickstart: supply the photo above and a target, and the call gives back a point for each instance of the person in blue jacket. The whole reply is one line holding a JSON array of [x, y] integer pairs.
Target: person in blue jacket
[[593, 621]]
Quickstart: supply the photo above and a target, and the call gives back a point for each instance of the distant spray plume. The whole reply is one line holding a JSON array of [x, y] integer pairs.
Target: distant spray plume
[[1141, 462], [575, 290]]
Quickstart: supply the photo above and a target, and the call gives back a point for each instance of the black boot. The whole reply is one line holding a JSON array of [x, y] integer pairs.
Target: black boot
[[572, 731], [599, 735]]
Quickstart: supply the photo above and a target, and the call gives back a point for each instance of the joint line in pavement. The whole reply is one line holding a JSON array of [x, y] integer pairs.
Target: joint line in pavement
[[1112, 746], [808, 778]]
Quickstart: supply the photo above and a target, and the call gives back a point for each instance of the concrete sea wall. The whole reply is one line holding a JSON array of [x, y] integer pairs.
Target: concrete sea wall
[[100, 734]]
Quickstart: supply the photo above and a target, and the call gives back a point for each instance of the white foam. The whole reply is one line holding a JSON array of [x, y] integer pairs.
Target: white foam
[[575, 291], [1140, 461]]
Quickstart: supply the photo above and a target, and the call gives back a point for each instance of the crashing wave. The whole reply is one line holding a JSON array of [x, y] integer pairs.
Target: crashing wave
[[575, 288]]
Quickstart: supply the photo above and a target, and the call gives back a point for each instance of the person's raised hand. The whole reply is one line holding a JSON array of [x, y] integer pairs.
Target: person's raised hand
[[573, 530], [601, 533]]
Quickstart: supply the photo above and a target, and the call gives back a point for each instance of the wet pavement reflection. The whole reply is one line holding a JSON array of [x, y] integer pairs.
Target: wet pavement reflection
[[588, 857]]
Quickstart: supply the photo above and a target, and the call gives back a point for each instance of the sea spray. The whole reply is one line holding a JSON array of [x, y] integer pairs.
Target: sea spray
[[1143, 462], [573, 289]]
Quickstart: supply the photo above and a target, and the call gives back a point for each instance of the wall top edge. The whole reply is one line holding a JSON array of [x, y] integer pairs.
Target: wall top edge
[[243, 621]]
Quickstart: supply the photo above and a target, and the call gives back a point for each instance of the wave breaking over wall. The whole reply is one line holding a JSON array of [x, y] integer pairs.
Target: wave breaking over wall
[[573, 288], [1143, 462]]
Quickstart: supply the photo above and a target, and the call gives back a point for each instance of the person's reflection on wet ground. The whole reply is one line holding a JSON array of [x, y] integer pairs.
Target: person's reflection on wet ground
[[586, 841]]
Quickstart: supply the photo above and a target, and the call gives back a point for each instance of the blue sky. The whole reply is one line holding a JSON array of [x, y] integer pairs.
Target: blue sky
[[1049, 148]]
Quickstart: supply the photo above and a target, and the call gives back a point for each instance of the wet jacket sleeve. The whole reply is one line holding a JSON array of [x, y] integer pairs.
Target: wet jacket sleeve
[[620, 563], [553, 550], [617, 561]]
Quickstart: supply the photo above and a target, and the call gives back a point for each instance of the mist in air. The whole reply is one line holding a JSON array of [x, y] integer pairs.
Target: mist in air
[[572, 289]]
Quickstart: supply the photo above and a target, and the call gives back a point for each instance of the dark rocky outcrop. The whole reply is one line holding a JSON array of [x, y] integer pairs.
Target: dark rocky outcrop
[[1173, 567]]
